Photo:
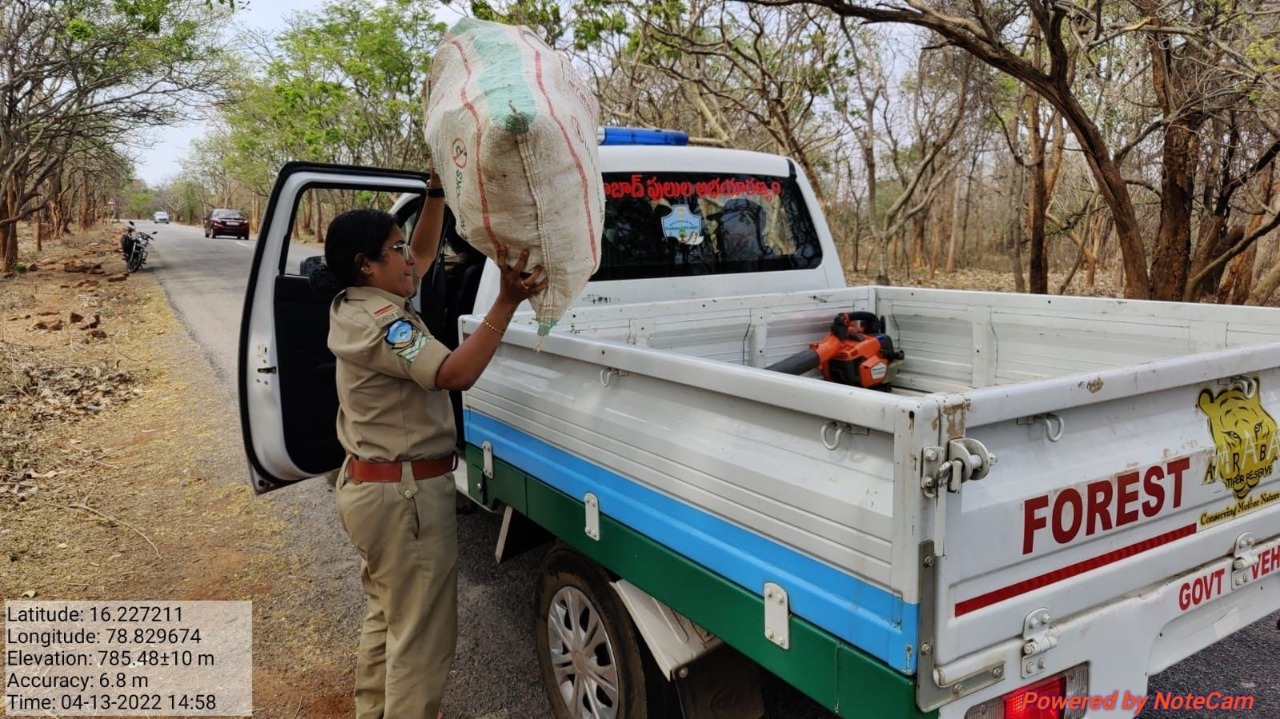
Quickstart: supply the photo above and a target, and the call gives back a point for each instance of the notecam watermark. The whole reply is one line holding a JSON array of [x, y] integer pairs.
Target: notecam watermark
[[1136, 703]]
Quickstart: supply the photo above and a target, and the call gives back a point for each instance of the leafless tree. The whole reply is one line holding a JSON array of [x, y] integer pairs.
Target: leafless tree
[[1201, 63], [73, 74]]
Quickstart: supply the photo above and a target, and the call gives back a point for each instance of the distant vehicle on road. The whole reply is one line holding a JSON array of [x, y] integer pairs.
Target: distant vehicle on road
[[226, 222], [161, 217]]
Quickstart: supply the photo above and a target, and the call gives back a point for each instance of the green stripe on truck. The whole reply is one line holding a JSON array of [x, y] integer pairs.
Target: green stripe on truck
[[836, 675]]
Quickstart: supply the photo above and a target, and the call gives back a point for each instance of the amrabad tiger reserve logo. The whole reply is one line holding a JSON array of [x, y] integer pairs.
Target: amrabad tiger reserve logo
[[1244, 436]]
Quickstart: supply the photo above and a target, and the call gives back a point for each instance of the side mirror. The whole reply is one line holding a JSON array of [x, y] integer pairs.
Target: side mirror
[[131, 223]]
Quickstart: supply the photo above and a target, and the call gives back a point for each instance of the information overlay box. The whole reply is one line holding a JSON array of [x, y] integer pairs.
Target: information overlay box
[[151, 659]]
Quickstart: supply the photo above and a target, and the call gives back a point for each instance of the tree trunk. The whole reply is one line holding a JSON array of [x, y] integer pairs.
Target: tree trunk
[[964, 221], [61, 224], [1038, 204], [8, 232], [1101, 228], [1081, 244], [957, 210], [1172, 256], [8, 246], [867, 143], [882, 261], [86, 203], [916, 252], [308, 217], [1210, 241], [857, 235], [1013, 238], [1237, 283], [318, 221], [937, 228], [979, 231], [1267, 284]]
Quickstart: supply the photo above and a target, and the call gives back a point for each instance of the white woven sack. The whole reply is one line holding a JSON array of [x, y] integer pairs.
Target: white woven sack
[[512, 131]]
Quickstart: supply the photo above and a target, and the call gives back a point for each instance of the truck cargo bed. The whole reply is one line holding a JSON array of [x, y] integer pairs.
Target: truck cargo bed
[[954, 340], [1104, 415]]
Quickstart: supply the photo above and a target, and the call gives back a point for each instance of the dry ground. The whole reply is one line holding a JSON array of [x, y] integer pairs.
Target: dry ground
[[109, 472]]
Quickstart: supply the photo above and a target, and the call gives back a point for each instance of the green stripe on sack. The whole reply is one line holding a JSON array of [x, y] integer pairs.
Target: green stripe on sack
[[842, 678], [511, 101]]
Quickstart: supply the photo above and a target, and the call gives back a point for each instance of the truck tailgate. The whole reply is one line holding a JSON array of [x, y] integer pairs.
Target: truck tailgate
[[1106, 487]]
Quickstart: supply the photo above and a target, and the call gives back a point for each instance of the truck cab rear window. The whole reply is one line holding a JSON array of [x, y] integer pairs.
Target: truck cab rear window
[[676, 224]]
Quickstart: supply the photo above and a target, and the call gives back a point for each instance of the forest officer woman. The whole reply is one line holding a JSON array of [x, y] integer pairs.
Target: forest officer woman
[[395, 490]]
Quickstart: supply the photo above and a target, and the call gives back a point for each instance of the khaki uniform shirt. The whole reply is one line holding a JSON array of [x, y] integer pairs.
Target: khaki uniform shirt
[[390, 409]]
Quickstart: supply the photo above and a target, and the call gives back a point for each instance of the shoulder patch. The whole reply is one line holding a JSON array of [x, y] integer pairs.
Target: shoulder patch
[[405, 339], [386, 315]]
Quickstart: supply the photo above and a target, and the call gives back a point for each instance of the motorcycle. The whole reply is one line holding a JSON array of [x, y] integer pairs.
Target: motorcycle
[[133, 247]]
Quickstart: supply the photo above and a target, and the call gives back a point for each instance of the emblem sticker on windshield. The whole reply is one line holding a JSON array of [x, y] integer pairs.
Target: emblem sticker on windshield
[[683, 225]]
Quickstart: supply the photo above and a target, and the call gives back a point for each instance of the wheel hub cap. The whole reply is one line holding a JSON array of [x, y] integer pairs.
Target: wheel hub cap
[[582, 657]]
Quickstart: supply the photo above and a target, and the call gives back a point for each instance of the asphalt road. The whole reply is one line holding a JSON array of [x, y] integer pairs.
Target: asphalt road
[[495, 674]]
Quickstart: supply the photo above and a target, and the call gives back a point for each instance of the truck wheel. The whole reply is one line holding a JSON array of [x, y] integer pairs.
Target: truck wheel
[[590, 656]]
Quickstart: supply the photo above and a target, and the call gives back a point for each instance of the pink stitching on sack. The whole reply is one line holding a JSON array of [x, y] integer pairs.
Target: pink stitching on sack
[[582, 173], [484, 199]]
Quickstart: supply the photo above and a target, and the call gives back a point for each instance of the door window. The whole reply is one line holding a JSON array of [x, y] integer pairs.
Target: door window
[[315, 209]]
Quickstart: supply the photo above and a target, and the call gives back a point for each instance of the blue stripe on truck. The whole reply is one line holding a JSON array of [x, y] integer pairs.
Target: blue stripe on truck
[[852, 609]]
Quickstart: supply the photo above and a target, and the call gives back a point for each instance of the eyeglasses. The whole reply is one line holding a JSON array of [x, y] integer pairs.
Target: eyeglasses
[[402, 247]]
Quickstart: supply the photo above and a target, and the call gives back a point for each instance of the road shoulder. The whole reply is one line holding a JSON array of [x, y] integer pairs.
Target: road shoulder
[[124, 476]]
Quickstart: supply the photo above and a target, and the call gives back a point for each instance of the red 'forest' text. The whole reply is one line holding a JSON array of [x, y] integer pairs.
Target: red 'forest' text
[[1103, 505]]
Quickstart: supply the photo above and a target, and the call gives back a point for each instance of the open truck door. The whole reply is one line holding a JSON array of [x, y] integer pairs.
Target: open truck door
[[288, 401]]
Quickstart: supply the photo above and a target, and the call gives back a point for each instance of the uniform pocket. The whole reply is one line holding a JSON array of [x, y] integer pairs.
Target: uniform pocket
[[362, 513], [436, 518], [412, 509]]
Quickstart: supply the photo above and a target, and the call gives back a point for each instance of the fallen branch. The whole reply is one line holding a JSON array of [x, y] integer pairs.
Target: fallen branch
[[109, 518]]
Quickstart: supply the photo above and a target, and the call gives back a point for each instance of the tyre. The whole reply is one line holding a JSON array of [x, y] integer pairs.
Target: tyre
[[590, 656], [135, 261]]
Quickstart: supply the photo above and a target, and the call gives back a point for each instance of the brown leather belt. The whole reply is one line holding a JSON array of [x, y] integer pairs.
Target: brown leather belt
[[359, 470]]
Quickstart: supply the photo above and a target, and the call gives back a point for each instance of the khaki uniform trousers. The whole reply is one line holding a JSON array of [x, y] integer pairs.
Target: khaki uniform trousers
[[406, 535]]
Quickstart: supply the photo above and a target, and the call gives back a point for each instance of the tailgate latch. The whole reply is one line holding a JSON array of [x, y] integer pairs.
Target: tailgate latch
[[1245, 558], [1038, 637], [964, 460]]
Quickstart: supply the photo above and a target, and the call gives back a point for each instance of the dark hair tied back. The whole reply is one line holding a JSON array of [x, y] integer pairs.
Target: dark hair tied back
[[323, 280], [355, 233]]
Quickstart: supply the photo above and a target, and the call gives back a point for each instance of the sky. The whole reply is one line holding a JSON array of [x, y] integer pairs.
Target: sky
[[169, 145]]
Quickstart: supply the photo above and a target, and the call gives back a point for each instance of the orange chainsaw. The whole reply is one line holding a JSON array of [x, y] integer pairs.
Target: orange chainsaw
[[856, 352]]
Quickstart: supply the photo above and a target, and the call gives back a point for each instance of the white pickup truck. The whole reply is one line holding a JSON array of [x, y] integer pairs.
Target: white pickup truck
[[1058, 497]]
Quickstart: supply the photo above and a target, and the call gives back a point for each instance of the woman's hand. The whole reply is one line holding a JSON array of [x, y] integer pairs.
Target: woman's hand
[[516, 285], [463, 366]]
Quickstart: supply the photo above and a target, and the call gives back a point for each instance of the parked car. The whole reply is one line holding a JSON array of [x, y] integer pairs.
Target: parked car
[[226, 222], [161, 217]]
